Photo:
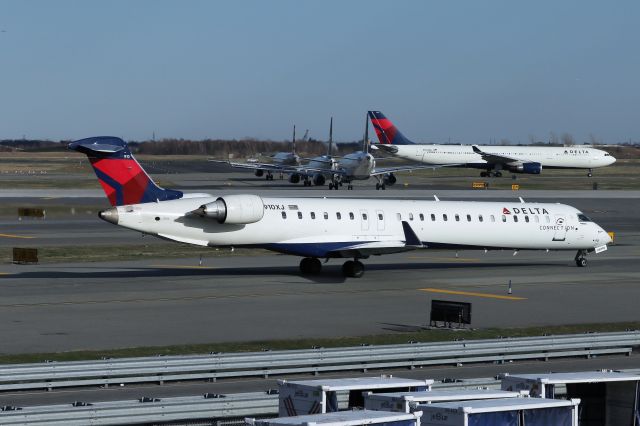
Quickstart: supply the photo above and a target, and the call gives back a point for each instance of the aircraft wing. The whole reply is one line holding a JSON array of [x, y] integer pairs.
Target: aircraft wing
[[256, 166], [494, 158], [410, 242], [408, 168]]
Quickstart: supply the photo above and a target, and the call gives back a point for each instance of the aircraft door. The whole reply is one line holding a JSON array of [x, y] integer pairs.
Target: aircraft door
[[364, 220], [380, 219], [561, 231]]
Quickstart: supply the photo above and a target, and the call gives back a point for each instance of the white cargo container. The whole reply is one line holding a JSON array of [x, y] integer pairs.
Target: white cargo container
[[343, 418], [321, 396], [501, 412], [405, 401], [609, 398]]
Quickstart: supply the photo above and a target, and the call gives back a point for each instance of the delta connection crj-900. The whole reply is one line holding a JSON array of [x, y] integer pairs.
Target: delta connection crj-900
[[327, 228]]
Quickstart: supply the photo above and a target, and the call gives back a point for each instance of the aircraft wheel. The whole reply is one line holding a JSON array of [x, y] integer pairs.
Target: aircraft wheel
[[383, 187], [498, 174], [377, 186], [331, 185], [581, 262], [589, 174], [349, 186], [353, 269], [310, 266]]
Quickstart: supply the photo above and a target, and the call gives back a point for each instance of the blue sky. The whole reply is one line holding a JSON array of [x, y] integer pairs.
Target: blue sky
[[466, 71]]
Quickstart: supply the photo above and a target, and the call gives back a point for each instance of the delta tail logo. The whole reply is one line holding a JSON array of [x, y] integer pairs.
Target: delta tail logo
[[505, 211]]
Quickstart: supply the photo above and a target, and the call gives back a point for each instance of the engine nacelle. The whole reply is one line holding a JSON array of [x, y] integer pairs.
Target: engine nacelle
[[294, 178], [389, 179], [319, 179], [259, 172], [234, 209], [532, 167]]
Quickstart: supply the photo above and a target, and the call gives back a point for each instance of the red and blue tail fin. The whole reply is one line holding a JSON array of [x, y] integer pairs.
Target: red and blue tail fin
[[121, 176], [388, 134]]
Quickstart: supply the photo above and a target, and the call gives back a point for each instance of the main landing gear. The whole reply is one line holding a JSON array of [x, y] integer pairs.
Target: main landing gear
[[269, 176], [350, 268], [380, 186], [581, 260], [489, 174], [334, 185]]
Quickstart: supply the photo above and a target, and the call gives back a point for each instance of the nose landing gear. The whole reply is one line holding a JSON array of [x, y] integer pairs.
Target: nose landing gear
[[581, 260]]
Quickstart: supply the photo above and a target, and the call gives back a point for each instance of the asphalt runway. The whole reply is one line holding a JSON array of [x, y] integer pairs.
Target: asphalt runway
[[75, 306]]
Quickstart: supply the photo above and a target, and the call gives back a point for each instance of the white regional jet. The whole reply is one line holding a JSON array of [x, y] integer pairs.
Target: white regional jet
[[324, 228], [491, 159]]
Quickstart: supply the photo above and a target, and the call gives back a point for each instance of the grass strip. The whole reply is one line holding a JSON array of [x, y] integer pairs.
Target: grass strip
[[380, 339]]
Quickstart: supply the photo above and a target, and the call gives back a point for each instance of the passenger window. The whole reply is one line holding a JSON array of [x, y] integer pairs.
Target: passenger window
[[380, 217], [444, 217], [515, 218], [284, 215], [313, 215], [410, 216], [480, 218], [468, 218], [457, 217], [433, 217], [351, 216], [504, 218], [421, 217], [326, 215], [338, 215], [493, 218], [526, 219], [364, 216], [299, 215]]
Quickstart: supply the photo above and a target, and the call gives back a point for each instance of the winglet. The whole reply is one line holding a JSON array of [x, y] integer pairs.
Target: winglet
[[410, 237], [435, 197]]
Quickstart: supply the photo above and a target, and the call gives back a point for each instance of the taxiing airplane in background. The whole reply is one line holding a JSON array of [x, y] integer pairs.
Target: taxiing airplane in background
[[281, 162], [491, 159], [326, 228]]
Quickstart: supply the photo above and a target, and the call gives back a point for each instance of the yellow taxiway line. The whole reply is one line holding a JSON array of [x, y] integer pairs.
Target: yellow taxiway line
[[24, 237], [471, 293]]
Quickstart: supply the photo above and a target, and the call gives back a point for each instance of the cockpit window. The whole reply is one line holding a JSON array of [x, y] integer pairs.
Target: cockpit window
[[583, 218]]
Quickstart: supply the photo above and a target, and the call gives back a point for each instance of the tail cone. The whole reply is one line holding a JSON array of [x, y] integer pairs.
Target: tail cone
[[109, 215]]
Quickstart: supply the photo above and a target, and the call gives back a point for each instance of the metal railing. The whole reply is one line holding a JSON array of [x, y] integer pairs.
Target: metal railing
[[224, 365]]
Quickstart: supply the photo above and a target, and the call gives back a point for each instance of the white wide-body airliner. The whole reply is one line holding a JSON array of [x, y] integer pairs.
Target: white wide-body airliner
[[325, 228], [491, 159]]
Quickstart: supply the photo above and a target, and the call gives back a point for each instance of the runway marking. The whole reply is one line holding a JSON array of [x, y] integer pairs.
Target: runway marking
[[471, 293], [49, 198], [445, 258], [183, 266], [24, 237]]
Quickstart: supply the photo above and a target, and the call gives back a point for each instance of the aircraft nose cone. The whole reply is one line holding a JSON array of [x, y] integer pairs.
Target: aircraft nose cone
[[109, 215]]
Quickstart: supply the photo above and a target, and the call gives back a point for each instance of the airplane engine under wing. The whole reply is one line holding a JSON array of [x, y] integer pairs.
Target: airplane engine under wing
[[234, 209], [532, 168], [319, 179], [294, 178], [390, 179]]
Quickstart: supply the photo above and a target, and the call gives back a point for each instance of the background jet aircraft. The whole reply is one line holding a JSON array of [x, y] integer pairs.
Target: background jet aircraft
[[281, 162], [361, 165], [491, 159]]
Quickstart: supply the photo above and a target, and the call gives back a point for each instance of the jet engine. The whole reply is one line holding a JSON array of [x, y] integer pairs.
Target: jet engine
[[532, 167], [294, 178], [234, 209], [259, 172], [389, 179], [318, 179]]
